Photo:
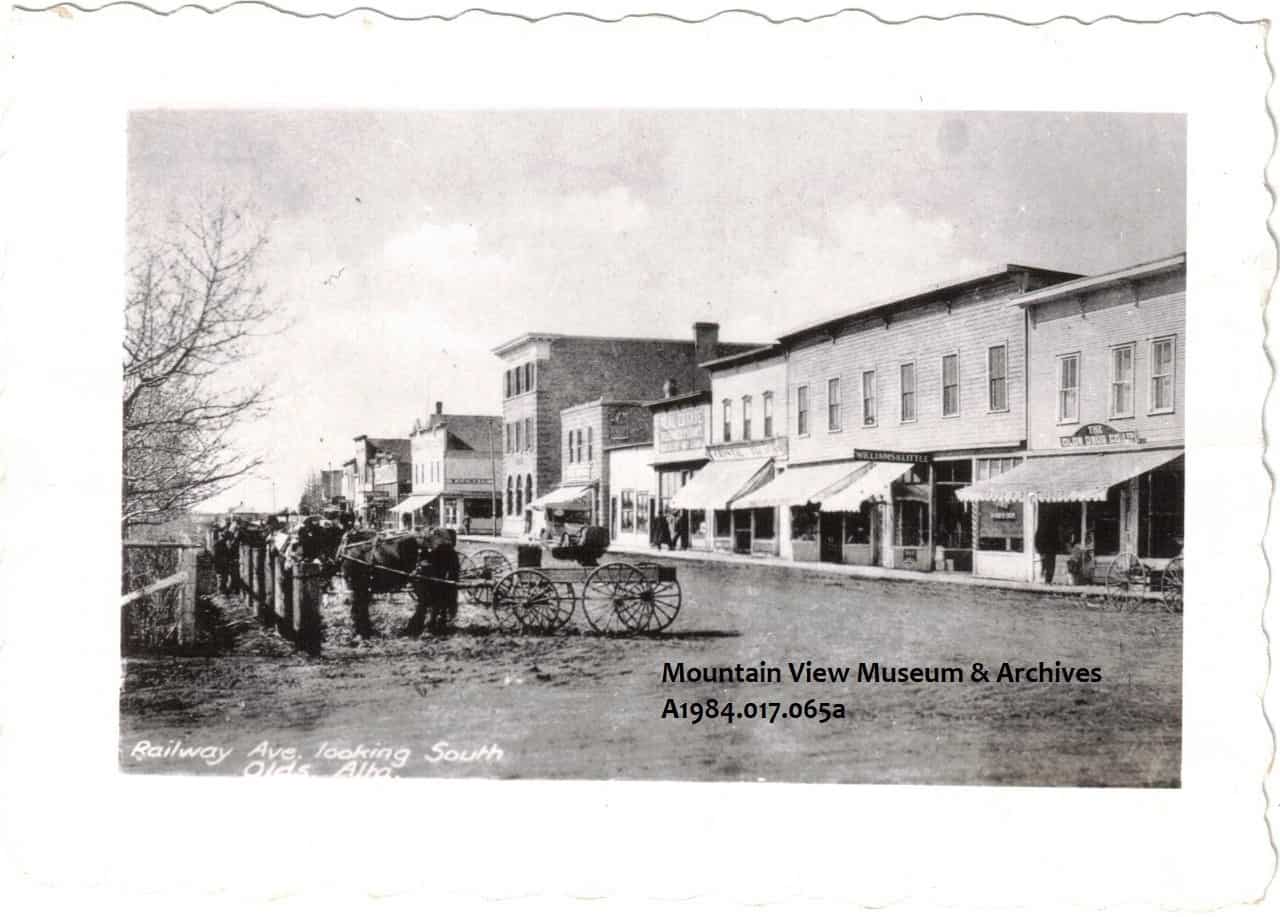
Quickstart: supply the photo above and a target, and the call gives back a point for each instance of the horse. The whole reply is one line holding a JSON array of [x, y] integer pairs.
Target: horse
[[374, 563]]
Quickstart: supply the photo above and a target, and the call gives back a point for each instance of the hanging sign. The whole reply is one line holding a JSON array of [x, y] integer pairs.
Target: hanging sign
[[886, 455]]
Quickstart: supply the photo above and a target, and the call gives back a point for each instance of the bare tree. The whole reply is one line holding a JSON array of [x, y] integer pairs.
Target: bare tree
[[193, 305]]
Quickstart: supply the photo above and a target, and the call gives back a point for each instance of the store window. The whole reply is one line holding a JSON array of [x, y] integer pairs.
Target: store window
[[1069, 388], [907, 383], [746, 417], [723, 526], [802, 410], [727, 407], [1162, 370], [767, 406], [628, 523], [642, 511], [1161, 499], [804, 523], [1122, 381], [857, 527], [869, 398], [950, 385], [913, 523], [998, 378], [762, 524], [999, 524]]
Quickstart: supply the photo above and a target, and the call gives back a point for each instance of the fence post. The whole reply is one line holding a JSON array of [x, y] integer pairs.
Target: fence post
[[188, 594], [284, 598], [269, 585], [260, 584], [306, 621]]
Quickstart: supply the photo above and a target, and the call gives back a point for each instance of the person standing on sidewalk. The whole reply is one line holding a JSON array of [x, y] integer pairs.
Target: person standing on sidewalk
[[1047, 547]]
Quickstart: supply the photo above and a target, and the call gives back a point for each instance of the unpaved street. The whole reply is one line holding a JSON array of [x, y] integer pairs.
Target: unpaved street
[[576, 705]]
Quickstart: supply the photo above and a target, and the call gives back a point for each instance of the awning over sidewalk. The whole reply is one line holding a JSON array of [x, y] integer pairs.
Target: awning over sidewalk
[[574, 496], [720, 482], [802, 484], [1067, 478], [872, 482], [414, 502]]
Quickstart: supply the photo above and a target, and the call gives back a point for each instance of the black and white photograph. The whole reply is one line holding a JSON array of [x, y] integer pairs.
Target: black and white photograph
[[612, 461], [789, 446]]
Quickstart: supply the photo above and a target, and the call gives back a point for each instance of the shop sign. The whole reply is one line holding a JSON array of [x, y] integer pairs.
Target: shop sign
[[681, 430], [468, 480], [999, 520], [764, 448], [1097, 434], [887, 455]]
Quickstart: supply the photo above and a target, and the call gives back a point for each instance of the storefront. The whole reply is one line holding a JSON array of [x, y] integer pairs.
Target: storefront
[[847, 512], [714, 493], [417, 511], [566, 509], [1112, 502]]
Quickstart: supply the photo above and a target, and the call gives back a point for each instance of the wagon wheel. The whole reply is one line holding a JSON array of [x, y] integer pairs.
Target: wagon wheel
[[1126, 582], [529, 598], [480, 571], [607, 596], [656, 604], [1171, 586]]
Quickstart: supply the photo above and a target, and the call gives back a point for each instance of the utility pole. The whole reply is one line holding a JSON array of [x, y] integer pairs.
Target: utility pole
[[493, 482]]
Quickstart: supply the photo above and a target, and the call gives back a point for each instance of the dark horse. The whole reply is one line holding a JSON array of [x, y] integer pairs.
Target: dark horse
[[373, 563]]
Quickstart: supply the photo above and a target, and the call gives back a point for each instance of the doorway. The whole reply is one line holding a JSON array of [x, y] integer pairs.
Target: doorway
[[831, 538]]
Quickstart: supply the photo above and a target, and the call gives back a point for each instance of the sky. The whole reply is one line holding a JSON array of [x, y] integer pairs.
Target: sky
[[404, 246]]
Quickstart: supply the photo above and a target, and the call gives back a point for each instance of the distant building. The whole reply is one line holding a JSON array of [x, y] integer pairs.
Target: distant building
[[382, 476], [454, 459], [331, 485], [545, 373], [582, 493]]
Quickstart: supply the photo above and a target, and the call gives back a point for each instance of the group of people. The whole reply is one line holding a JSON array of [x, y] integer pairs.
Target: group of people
[[669, 530], [1051, 541]]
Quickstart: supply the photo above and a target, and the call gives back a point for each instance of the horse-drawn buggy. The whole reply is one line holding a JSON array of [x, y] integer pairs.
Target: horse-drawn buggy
[[1127, 580], [615, 598]]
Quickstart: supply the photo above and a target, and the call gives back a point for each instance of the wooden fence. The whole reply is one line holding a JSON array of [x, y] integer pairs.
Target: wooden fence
[[283, 596], [160, 582]]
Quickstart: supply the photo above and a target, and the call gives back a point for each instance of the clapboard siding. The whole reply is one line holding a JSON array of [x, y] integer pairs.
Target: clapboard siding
[[922, 335], [1118, 315], [752, 380]]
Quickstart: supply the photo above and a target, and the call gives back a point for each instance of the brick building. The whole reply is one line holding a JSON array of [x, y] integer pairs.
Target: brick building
[[582, 493], [889, 408], [545, 373], [454, 459], [1104, 464]]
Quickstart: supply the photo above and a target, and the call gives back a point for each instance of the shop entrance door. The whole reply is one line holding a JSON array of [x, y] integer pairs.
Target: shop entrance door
[[831, 533], [742, 531]]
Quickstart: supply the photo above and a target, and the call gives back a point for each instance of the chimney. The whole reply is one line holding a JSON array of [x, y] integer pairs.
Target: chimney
[[670, 389], [706, 340], [439, 407]]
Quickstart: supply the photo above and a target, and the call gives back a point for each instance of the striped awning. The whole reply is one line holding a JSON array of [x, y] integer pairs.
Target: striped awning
[[802, 484], [573, 496], [1067, 478], [873, 482], [414, 502], [721, 481]]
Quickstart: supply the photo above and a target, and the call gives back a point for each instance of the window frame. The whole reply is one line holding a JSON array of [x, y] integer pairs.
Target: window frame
[[1058, 389], [766, 406], [802, 410], [902, 393], [1172, 341], [1112, 381], [942, 406], [834, 383], [1004, 345], [746, 418], [874, 399], [726, 427]]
